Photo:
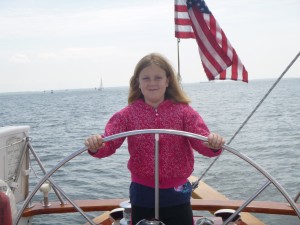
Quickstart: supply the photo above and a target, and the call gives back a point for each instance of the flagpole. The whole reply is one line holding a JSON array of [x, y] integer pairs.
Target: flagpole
[[178, 60]]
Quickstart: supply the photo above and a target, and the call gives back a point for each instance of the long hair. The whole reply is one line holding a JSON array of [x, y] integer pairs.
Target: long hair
[[173, 92]]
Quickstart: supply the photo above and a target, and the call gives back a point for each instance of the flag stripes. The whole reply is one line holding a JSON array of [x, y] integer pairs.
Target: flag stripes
[[183, 28], [219, 59]]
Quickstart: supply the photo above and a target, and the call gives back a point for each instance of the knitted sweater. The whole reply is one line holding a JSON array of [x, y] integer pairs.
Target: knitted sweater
[[176, 159]]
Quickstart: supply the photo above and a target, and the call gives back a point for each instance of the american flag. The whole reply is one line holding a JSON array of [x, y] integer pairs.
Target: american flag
[[193, 19]]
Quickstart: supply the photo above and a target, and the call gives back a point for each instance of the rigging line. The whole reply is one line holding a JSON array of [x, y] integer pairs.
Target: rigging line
[[196, 183], [297, 197], [14, 143], [266, 95]]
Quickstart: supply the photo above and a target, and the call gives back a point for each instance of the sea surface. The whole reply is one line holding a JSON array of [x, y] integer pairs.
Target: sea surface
[[61, 121]]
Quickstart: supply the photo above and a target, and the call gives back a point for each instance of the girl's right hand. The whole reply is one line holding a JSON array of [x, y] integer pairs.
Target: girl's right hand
[[94, 142]]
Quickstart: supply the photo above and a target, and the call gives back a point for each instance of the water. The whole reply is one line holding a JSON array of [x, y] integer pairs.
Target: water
[[61, 121]]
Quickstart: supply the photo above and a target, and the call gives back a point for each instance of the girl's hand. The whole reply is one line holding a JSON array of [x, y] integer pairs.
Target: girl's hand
[[94, 142]]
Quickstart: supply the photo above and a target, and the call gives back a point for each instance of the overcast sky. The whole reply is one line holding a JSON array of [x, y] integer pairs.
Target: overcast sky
[[67, 44]]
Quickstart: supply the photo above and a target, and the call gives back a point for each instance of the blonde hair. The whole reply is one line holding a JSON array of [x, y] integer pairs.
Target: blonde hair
[[173, 92]]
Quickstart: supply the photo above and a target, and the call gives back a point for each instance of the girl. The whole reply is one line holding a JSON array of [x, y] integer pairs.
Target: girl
[[156, 101]]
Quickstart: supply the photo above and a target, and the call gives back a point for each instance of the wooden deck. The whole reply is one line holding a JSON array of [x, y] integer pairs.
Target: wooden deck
[[103, 219], [205, 192]]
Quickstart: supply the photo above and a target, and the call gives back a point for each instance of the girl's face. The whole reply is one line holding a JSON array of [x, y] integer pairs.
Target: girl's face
[[153, 82]]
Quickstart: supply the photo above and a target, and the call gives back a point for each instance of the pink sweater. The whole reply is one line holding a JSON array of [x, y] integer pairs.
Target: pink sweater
[[176, 159]]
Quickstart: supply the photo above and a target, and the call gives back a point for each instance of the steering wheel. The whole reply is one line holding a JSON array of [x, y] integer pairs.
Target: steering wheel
[[157, 132]]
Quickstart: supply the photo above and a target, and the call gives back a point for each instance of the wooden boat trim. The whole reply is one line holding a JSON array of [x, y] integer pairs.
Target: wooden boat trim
[[197, 204], [254, 207], [85, 205]]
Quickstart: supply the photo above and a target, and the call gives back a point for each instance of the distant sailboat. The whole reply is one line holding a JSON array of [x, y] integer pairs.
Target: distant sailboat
[[101, 86]]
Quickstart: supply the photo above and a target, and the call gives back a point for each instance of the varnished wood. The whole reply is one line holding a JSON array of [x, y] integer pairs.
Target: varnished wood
[[254, 207], [197, 204], [103, 219], [85, 205], [206, 192]]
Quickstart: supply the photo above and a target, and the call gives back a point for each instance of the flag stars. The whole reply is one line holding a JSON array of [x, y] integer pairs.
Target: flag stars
[[200, 4]]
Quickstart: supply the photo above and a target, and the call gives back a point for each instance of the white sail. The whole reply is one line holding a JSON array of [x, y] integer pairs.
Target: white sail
[[101, 86]]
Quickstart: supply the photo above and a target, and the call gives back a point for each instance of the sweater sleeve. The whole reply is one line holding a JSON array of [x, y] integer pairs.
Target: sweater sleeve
[[116, 124], [195, 124]]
